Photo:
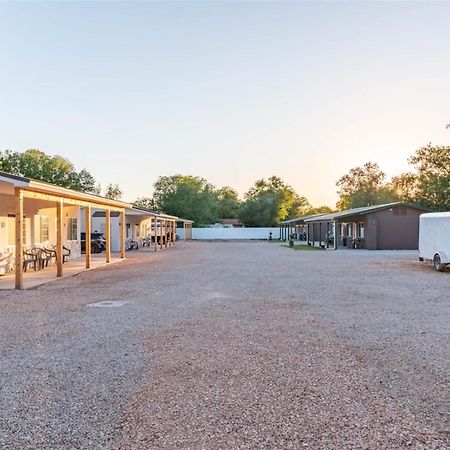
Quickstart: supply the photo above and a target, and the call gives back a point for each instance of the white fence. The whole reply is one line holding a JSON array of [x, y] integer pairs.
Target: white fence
[[231, 233]]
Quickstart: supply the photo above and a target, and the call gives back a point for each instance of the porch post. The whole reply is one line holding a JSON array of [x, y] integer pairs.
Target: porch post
[[320, 234], [174, 232], [87, 212], [108, 234], [59, 238], [335, 244], [165, 233], [160, 234], [156, 240], [122, 233], [184, 231], [19, 238], [169, 231]]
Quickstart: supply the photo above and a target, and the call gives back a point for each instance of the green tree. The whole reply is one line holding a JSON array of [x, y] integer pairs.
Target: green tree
[[269, 201], [113, 192], [319, 210], [187, 196], [429, 185], [228, 203], [145, 203], [364, 186], [39, 166]]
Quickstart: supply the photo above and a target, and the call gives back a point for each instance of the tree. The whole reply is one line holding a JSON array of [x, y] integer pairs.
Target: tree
[[319, 210], [187, 196], [269, 201], [429, 185], [113, 192], [145, 203], [86, 182], [364, 186], [228, 203], [406, 185], [38, 165]]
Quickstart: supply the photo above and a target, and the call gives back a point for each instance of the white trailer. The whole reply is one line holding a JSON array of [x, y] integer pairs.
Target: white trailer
[[434, 239]]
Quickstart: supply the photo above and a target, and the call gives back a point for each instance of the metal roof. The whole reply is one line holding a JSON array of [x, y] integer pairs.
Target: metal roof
[[360, 211], [300, 219], [52, 189]]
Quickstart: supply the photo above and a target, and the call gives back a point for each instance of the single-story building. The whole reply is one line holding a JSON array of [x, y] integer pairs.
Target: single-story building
[[392, 226], [38, 218], [142, 226], [296, 227]]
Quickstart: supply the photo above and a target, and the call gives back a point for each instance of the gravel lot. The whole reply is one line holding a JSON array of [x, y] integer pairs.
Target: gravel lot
[[231, 345]]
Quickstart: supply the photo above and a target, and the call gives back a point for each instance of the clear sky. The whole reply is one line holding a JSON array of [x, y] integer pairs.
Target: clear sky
[[230, 91]]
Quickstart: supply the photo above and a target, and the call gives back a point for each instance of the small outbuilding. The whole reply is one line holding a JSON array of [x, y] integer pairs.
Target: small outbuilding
[[392, 226]]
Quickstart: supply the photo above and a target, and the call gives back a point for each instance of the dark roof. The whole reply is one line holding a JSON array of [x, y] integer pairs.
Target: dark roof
[[361, 211], [300, 219], [14, 177], [146, 210]]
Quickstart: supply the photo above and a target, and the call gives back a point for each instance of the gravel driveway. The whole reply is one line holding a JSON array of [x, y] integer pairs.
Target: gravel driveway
[[231, 345]]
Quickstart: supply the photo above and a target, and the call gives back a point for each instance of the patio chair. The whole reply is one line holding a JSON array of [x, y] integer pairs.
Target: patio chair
[[49, 254], [66, 252], [31, 258], [46, 257], [5, 263]]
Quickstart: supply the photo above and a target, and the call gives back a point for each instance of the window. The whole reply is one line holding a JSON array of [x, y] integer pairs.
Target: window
[[72, 229], [43, 229], [349, 230], [361, 230]]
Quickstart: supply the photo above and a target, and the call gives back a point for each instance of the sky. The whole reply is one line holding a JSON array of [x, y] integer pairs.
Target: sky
[[229, 91]]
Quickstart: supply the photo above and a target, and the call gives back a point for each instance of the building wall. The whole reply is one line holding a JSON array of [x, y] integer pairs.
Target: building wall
[[398, 228], [33, 210], [318, 231]]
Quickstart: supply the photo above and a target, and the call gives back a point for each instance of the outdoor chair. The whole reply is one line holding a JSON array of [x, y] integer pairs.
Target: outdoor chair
[[46, 257], [31, 258], [5, 263], [66, 253]]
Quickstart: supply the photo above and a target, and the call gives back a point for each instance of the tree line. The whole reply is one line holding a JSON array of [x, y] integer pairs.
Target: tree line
[[54, 169], [268, 201], [427, 184]]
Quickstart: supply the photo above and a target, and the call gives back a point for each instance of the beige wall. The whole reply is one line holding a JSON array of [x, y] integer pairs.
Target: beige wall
[[33, 209]]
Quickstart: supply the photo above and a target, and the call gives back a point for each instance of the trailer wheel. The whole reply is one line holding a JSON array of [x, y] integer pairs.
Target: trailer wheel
[[437, 263]]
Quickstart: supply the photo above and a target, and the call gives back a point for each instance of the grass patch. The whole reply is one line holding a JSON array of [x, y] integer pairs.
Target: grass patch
[[303, 247]]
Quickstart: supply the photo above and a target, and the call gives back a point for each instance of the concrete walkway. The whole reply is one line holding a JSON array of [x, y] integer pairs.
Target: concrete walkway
[[32, 279]]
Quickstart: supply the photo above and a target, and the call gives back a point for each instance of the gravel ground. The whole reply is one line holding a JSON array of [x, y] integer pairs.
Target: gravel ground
[[231, 345]]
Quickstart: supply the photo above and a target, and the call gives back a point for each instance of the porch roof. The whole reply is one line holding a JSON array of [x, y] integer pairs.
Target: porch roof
[[300, 219], [359, 212], [41, 187]]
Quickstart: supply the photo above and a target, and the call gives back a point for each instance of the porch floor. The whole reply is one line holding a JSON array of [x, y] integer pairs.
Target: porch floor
[[32, 279]]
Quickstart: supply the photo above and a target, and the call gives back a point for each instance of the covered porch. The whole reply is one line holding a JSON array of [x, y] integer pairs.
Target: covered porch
[[33, 279], [40, 230]]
